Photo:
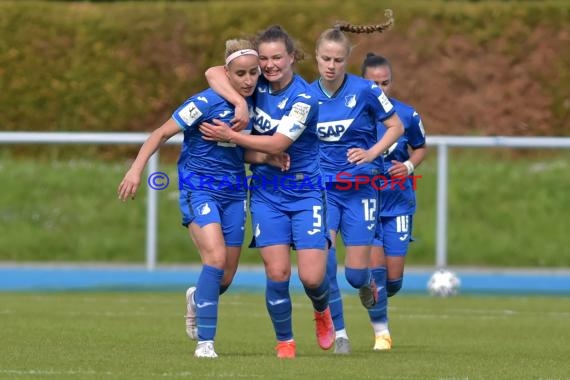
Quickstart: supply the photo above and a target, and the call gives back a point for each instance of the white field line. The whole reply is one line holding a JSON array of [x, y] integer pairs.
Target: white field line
[[229, 375], [51, 372], [117, 300], [406, 311], [452, 313]]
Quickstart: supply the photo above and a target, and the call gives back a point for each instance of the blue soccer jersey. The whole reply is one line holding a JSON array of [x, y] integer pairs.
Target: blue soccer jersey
[[288, 207], [292, 111], [208, 165], [397, 195], [347, 119]]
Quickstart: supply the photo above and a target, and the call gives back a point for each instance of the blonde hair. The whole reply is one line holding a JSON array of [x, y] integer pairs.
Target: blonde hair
[[234, 45], [346, 27], [336, 34]]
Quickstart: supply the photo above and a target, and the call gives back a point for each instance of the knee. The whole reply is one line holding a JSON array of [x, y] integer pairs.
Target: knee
[[278, 274], [393, 286], [214, 258], [311, 281]]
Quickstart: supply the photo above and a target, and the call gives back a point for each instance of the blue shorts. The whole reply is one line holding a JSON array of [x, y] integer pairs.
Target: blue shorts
[[203, 208], [394, 233], [353, 213], [302, 226]]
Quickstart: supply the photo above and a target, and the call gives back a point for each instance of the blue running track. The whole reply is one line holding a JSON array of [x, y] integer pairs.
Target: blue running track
[[73, 278]]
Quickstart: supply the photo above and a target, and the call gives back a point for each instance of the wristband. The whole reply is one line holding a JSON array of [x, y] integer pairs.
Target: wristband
[[410, 166]]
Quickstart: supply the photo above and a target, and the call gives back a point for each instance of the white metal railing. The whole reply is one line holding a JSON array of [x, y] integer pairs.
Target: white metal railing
[[105, 139], [441, 142]]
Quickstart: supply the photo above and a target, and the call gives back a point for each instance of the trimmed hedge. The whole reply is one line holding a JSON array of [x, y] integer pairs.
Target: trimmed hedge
[[124, 66]]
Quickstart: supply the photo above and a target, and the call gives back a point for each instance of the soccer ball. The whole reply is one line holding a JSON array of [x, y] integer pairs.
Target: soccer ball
[[443, 283]]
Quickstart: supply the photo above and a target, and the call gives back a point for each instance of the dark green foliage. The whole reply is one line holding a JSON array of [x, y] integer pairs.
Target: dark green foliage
[[124, 66]]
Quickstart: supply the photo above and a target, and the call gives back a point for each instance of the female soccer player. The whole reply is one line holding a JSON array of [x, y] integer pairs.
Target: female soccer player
[[349, 109], [394, 231], [214, 214], [287, 210]]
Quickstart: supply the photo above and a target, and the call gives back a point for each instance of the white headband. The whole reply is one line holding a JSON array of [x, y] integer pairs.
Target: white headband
[[239, 53]]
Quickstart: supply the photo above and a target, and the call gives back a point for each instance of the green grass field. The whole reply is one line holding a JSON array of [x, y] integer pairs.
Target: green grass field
[[139, 335], [506, 209]]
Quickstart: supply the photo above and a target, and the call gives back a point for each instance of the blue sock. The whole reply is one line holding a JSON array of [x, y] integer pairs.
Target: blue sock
[[320, 295], [335, 298], [278, 302], [394, 286], [379, 312], [206, 297], [357, 278]]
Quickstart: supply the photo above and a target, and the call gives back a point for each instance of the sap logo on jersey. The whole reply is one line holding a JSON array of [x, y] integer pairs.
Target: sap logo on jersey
[[263, 122], [333, 130]]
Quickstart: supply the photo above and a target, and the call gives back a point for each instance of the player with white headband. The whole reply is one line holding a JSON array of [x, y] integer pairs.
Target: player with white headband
[[284, 215], [214, 214], [239, 53]]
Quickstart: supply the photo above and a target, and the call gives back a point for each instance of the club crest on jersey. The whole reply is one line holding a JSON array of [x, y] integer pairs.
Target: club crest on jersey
[[333, 130], [204, 209], [350, 101], [296, 127], [263, 122], [282, 103]]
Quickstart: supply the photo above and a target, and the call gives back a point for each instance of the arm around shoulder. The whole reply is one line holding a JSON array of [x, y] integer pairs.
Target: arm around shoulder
[[219, 82]]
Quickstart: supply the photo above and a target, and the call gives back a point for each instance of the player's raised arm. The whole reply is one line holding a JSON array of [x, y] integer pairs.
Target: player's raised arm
[[219, 82]]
